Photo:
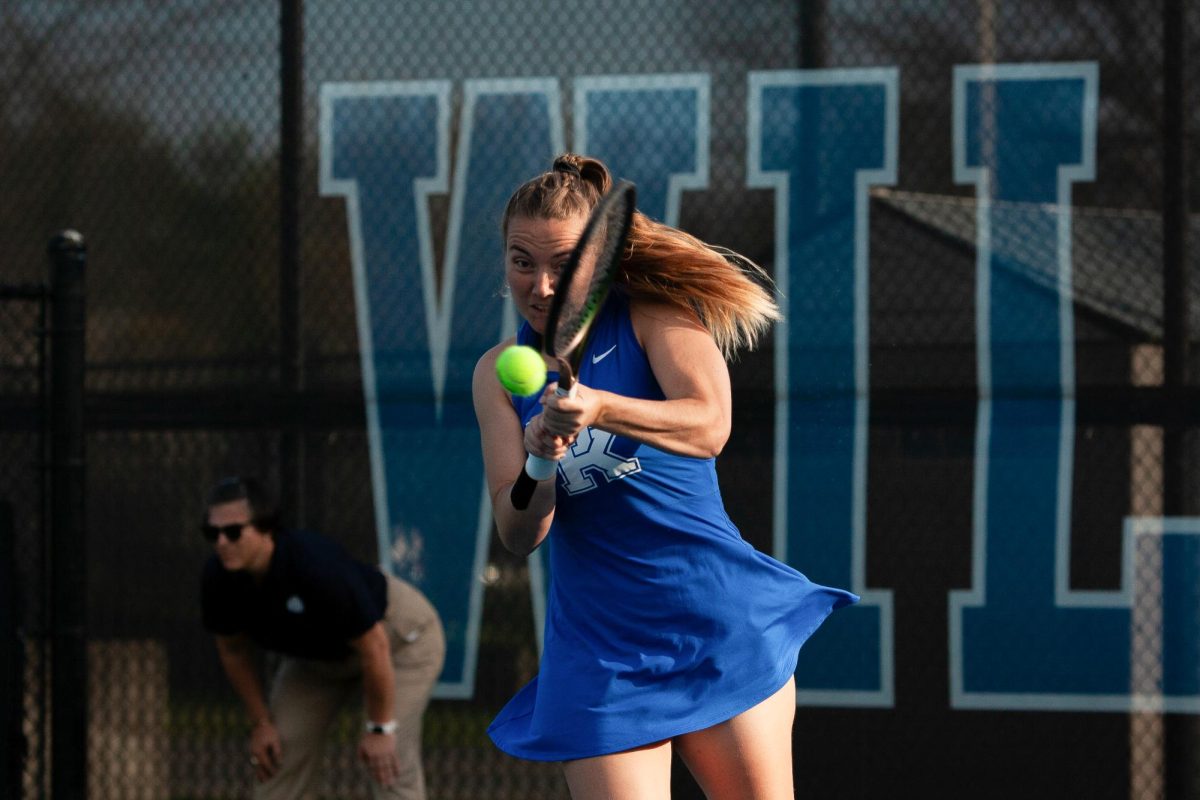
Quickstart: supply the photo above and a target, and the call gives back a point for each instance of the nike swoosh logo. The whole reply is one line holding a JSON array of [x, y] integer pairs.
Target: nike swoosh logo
[[596, 359]]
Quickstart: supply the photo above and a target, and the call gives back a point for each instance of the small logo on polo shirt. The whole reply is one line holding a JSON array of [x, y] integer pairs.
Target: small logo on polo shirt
[[295, 604]]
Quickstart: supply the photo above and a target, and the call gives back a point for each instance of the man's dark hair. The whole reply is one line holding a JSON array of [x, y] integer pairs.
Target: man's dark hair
[[264, 512]]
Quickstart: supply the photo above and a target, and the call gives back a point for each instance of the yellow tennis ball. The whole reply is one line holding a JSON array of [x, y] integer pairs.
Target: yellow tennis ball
[[521, 370]]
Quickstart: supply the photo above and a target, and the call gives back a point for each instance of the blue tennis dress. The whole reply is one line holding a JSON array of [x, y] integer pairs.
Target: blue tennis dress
[[661, 619]]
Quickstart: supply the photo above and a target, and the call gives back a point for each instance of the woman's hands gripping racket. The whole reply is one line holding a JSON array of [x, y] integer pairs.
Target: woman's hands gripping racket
[[578, 296]]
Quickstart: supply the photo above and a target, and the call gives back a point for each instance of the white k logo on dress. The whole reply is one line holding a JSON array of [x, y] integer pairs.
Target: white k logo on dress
[[592, 455]]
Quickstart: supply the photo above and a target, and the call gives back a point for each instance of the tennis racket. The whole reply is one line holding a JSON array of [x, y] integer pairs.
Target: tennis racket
[[579, 295]]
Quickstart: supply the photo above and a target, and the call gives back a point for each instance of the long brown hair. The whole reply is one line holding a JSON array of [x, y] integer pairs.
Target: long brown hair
[[733, 297]]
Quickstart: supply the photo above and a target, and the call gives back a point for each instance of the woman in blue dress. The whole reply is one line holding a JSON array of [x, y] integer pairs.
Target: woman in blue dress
[[665, 631]]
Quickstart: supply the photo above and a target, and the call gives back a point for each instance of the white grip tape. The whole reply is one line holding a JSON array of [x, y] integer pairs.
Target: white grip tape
[[539, 468]]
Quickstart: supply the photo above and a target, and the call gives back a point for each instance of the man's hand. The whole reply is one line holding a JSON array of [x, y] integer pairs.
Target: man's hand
[[377, 751], [266, 750]]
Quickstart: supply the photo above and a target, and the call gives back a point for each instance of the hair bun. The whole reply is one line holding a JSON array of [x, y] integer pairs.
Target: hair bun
[[590, 171], [566, 164]]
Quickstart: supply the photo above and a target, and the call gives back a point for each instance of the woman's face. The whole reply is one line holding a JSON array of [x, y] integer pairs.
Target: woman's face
[[535, 252]]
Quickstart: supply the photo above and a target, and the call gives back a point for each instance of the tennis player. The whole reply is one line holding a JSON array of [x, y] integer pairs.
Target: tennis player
[[665, 631], [343, 628]]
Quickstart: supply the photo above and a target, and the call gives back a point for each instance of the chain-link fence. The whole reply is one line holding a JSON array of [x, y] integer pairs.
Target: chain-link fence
[[1014, 351]]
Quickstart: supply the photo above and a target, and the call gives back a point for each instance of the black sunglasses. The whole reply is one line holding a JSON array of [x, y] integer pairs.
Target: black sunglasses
[[232, 532]]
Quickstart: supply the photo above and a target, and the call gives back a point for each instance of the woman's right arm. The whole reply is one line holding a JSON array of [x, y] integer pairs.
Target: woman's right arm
[[503, 440]]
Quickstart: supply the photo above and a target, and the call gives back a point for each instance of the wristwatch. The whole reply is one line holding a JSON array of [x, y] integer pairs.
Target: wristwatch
[[388, 727]]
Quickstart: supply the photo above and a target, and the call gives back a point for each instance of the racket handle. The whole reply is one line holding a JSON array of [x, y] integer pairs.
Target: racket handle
[[536, 469]]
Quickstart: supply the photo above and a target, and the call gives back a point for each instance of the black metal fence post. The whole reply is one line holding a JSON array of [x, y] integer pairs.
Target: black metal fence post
[[68, 671], [12, 755], [812, 19], [1182, 763], [291, 145], [1174, 230]]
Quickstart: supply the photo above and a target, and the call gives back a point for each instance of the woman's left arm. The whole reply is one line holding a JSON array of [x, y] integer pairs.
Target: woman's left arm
[[693, 420]]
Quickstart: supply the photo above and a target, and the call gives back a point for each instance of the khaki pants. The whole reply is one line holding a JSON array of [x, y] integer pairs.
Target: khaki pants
[[306, 696]]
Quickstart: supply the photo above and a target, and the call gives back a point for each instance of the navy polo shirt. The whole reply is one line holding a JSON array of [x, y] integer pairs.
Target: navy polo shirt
[[312, 601]]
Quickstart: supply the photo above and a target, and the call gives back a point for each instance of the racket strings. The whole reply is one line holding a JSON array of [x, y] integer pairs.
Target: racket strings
[[574, 325], [586, 286]]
